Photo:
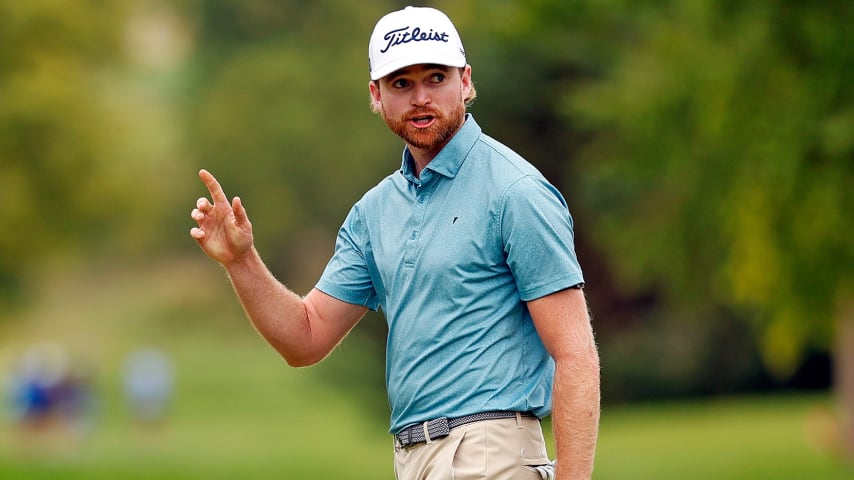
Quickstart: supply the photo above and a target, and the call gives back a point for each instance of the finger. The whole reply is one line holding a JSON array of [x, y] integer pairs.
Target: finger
[[197, 233], [203, 204], [213, 187], [197, 215]]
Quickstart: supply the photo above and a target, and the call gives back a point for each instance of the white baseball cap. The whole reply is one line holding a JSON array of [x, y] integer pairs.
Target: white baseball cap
[[411, 36]]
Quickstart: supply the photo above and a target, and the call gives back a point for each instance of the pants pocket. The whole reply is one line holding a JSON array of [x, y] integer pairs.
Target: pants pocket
[[546, 471], [533, 445]]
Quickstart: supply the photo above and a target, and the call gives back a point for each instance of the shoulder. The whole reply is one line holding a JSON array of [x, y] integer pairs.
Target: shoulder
[[503, 170], [394, 182], [502, 161], [516, 182]]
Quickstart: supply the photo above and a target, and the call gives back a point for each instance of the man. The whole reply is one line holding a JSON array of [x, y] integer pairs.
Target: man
[[469, 252]]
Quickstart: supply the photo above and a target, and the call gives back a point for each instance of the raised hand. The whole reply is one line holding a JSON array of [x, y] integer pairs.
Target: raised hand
[[224, 231]]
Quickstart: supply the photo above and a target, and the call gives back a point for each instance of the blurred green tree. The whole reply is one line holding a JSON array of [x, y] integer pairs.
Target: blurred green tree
[[52, 128], [86, 136], [721, 167], [279, 112]]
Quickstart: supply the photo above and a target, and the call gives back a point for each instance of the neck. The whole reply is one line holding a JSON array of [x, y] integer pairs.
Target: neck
[[423, 156]]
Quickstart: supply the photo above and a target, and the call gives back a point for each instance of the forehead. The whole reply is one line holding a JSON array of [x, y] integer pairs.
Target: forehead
[[420, 68]]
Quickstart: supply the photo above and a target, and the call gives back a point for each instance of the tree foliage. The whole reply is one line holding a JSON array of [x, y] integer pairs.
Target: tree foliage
[[85, 136], [721, 167], [54, 154]]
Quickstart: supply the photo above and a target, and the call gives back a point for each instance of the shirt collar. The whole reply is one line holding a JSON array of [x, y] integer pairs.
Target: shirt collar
[[450, 159]]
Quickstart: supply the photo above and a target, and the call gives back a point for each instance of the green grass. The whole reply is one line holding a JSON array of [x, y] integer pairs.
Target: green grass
[[240, 412], [779, 437]]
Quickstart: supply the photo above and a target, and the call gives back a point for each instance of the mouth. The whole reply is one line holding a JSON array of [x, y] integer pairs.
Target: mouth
[[422, 121]]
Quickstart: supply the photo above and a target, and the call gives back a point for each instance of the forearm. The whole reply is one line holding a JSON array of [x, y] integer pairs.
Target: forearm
[[575, 415], [302, 330], [278, 314]]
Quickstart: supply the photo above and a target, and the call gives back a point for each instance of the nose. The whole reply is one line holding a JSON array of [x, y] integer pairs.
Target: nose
[[420, 95]]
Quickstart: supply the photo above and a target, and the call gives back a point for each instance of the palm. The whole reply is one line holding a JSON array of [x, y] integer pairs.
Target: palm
[[224, 238]]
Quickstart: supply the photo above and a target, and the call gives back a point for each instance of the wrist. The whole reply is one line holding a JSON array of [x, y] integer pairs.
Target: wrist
[[246, 262]]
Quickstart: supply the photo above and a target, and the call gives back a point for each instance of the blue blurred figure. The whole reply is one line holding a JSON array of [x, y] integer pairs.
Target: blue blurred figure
[[48, 391], [148, 384]]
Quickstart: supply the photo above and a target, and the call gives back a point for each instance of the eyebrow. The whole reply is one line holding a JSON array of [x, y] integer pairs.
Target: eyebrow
[[409, 69]]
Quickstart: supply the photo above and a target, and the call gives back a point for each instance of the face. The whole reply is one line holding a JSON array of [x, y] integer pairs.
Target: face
[[423, 104]]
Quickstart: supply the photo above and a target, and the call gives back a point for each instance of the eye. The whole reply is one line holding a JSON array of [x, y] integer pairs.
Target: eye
[[437, 77], [400, 83]]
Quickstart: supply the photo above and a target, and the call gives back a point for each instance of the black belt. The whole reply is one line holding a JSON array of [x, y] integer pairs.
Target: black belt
[[441, 427]]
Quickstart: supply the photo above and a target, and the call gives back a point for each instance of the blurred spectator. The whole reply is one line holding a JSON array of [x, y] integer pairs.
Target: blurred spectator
[[148, 384], [50, 391]]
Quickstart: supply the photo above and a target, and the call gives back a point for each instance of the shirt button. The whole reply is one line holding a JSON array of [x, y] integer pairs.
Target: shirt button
[[414, 234], [420, 199]]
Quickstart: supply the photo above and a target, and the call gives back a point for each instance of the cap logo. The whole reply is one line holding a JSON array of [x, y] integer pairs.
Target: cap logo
[[402, 35]]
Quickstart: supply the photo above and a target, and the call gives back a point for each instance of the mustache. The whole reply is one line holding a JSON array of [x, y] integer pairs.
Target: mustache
[[422, 112]]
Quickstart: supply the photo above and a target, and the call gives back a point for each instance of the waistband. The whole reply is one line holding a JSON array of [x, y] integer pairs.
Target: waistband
[[441, 427]]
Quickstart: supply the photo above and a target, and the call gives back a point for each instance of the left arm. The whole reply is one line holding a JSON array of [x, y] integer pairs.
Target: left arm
[[564, 326]]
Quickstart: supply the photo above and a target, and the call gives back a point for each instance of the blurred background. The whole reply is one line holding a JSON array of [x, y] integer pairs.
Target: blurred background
[[705, 148]]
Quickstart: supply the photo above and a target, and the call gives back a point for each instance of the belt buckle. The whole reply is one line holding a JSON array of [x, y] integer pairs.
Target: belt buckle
[[438, 428], [415, 434], [404, 438]]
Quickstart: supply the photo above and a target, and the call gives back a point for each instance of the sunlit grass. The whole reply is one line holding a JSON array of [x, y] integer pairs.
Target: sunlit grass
[[734, 438]]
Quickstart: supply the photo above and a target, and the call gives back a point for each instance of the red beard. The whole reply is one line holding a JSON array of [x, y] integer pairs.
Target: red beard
[[442, 129]]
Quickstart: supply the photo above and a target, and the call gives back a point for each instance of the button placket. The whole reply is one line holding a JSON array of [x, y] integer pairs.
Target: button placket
[[416, 223]]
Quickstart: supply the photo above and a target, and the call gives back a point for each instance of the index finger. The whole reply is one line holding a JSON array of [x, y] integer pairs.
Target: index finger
[[217, 195]]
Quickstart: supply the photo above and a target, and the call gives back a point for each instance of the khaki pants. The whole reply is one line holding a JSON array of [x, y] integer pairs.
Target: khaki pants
[[502, 449]]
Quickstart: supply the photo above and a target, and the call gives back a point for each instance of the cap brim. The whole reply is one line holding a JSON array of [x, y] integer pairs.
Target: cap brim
[[393, 66]]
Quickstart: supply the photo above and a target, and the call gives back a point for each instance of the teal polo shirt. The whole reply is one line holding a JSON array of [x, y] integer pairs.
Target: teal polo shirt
[[451, 258]]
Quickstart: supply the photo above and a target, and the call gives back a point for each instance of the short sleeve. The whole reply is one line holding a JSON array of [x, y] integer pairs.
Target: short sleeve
[[537, 233], [347, 276]]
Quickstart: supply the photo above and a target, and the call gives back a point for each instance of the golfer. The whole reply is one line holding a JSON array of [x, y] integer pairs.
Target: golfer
[[468, 251]]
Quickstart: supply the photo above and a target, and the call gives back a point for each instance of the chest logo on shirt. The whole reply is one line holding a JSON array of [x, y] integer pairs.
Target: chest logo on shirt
[[454, 220]]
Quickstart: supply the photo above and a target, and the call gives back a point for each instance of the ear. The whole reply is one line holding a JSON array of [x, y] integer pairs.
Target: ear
[[376, 97], [465, 78]]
